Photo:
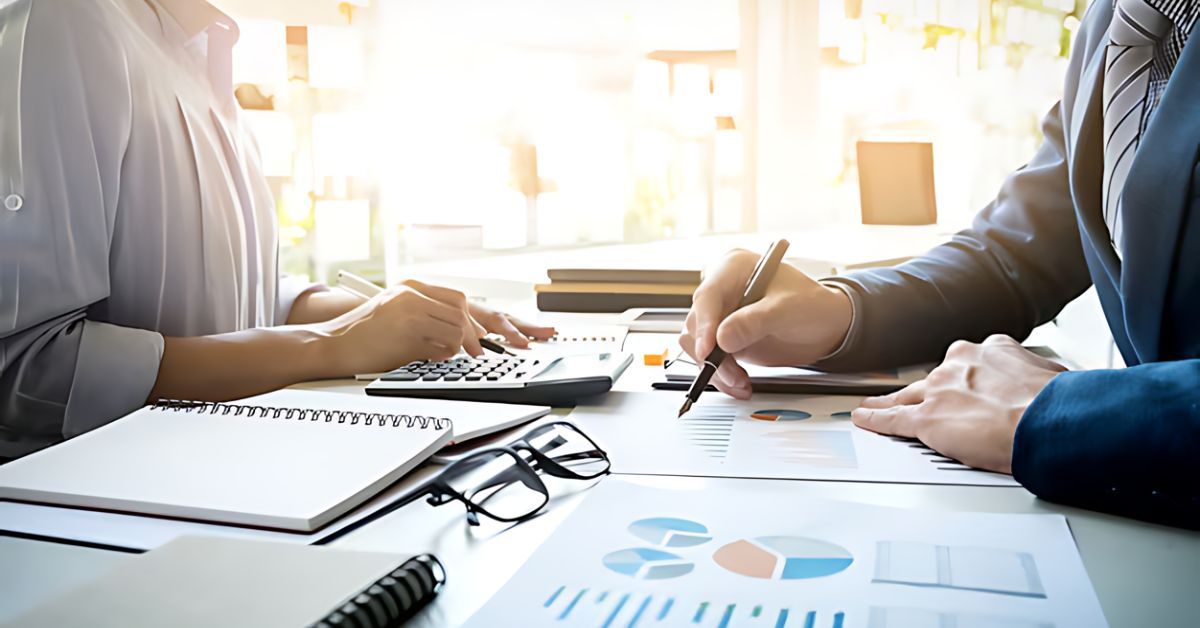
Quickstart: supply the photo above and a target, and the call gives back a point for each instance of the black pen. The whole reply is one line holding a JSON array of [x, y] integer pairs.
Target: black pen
[[756, 288], [494, 347]]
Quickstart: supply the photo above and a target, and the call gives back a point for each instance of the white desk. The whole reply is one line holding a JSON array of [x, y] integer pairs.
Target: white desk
[[1144, 575]]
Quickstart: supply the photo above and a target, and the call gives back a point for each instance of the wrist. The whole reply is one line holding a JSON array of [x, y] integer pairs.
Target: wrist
[[317, 352], [838, 309]]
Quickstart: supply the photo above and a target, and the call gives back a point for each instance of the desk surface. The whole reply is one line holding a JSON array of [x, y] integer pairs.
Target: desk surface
[[1144, 575]]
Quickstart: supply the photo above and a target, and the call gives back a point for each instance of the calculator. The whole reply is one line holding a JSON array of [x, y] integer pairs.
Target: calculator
[[532, 377]]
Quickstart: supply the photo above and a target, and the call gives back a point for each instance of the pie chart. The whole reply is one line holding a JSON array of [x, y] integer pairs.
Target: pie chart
[[648, 564], [783, 558], [670, 532], [780, 415]]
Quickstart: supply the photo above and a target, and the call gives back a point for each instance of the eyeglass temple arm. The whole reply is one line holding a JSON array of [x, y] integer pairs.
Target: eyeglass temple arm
[[396, 504]]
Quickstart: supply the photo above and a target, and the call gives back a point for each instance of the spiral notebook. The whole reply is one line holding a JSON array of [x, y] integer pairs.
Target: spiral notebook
[[207, 581], [291, 459]]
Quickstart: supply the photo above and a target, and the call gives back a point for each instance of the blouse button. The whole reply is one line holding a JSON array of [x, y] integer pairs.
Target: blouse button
[[13, 202]]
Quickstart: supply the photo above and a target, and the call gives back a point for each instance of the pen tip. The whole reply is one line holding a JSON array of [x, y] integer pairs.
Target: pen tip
[[687, 405]]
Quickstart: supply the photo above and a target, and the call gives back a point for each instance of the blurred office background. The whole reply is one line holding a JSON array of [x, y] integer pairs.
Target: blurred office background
[[405, 131]]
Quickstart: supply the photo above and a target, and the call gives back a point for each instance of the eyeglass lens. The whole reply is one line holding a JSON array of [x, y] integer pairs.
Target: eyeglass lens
[[570, 449], [498, 484]]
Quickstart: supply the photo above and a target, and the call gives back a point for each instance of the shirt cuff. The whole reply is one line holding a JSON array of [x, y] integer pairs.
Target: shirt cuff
[[852, 331], [290, 289], [115, 370]]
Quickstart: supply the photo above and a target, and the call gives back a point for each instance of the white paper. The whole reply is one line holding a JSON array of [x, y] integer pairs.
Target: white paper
[[718, 438], [576, 339], [637, 556]]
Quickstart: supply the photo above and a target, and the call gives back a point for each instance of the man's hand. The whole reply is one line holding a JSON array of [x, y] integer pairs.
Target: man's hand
[[799, 321], [969, 406]]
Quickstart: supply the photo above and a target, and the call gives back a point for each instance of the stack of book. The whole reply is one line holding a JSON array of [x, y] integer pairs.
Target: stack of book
[[615, 290]]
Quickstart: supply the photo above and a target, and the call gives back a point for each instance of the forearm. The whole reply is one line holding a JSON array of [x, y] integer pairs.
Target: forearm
[[318, 306], [244, 363]]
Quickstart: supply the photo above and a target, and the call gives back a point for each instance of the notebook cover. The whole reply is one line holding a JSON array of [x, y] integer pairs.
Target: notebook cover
[[195, 582]]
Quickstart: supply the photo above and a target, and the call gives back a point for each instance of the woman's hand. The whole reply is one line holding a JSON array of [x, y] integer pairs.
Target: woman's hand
[[515, 331], [411, 321]]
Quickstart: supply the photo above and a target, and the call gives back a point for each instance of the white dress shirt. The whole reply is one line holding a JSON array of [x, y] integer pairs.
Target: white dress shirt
[[132, 205]]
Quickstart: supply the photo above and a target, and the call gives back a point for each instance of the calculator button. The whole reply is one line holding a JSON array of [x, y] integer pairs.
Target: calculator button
[[452, 377], [432, 377], [493, 377], [400, 377], [473, 377]]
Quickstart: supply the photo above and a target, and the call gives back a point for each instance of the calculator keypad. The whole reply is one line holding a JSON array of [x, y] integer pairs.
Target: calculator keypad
[[464, 369]]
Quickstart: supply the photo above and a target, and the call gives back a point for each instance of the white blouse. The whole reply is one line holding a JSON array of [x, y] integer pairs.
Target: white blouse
[[132, 205]]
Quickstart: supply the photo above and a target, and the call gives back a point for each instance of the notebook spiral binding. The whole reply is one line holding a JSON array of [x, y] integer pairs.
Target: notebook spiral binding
[[303, 414], [392, 599]]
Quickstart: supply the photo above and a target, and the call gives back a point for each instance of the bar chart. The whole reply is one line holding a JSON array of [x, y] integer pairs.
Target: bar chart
[[585, 606]]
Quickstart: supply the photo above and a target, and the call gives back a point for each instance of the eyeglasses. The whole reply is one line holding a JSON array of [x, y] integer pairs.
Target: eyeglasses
[[503, 483]]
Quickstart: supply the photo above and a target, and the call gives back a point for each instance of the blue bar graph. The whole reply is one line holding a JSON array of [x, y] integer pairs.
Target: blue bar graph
[[616, 611], [570, 607], [727, 616], [641, 609], [553, 596], [666, 608], [631, 609]]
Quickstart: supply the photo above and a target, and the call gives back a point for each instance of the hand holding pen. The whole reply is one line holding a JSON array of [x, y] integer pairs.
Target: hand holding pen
[[431, 322], [797, 321]]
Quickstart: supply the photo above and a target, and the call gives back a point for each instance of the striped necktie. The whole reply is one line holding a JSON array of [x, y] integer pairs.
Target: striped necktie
[[1137, 27]]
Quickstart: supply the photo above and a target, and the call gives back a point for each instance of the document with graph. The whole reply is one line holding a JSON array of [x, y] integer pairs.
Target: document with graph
[[632, 555], [795, 437]]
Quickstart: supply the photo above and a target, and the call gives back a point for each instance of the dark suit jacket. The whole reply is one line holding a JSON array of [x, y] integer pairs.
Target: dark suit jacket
[[1127, 440]]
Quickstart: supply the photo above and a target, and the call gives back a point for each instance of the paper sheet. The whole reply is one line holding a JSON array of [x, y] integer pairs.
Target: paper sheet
[[632, 555], [813, 439]]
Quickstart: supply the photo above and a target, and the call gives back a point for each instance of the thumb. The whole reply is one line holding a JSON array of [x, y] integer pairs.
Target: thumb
[[744, 328]]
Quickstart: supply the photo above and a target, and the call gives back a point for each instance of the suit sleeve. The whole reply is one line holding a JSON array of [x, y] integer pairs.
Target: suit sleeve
[[1014, 269], [1121, 441]]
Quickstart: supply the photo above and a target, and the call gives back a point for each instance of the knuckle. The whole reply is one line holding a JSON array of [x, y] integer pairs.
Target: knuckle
[[960, 348], [999, 339]]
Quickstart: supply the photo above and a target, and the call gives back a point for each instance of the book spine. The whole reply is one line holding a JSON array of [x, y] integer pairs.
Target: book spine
[[392, 599], [606, 303]]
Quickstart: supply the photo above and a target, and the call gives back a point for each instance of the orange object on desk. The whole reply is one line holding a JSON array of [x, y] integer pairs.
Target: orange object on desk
[[656, 359]]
